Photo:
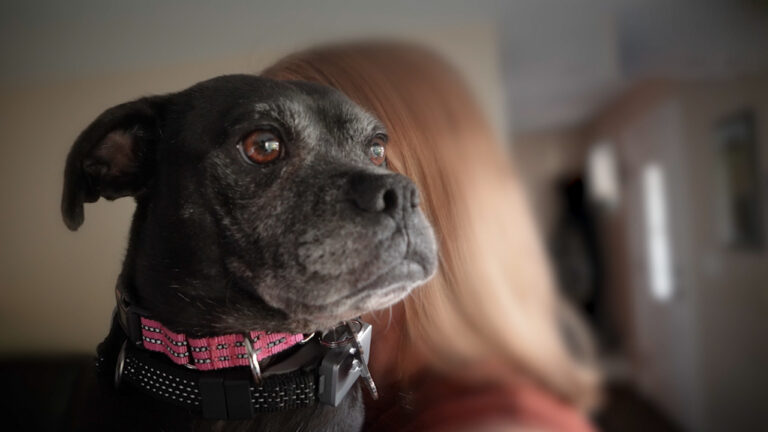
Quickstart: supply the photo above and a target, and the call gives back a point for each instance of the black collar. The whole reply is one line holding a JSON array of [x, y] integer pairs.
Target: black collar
[[322, 370]]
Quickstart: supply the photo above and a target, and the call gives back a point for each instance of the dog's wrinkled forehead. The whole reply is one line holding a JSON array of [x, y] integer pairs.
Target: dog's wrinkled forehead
[[307, 113], [315, 118]]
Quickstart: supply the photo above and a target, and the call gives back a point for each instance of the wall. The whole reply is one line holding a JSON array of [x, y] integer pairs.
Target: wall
[[732, 285], [701, 355]]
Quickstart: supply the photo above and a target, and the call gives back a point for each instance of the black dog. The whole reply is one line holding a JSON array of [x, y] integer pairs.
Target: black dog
[[261, 205]]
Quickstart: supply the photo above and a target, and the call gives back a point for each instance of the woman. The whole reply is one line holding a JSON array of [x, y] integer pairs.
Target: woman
[[480, 346]]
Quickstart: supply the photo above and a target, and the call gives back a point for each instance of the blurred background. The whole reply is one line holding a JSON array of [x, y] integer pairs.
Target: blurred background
[[640, 129]]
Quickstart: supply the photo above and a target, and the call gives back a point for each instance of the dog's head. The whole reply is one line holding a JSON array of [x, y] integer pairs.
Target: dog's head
[[260, 204]]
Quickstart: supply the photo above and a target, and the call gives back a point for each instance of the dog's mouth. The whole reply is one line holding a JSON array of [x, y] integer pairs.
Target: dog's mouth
[[354, 280], [391, 282], [384, 290]]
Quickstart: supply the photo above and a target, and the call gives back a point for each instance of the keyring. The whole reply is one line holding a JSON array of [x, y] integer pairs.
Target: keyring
[[253, 359], [331, 339]]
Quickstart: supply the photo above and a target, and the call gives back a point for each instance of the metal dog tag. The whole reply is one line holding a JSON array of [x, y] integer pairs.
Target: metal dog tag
[[347, 357]]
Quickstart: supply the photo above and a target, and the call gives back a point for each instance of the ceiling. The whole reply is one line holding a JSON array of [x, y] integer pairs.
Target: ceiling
[[562, 60]]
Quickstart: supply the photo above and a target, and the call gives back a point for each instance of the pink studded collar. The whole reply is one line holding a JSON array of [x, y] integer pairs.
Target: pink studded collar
[[217, 352]]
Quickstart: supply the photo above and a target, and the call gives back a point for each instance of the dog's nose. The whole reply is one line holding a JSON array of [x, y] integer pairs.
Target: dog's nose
[[388, 193]]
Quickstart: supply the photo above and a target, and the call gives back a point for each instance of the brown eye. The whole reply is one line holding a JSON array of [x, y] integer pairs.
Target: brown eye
[[261, 146], [377, 151]]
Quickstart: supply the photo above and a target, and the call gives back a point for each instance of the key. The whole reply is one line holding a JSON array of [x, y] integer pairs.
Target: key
[[364, 372]]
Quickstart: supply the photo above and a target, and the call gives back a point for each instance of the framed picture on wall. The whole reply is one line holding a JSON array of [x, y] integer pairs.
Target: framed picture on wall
[[740, 202]]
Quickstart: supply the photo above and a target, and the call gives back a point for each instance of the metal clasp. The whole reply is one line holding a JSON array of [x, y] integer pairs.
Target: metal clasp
[[308, 338], [253, 359], [120, 365]]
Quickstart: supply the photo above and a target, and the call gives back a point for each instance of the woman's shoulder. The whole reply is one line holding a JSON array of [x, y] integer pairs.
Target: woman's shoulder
[[441, 403]]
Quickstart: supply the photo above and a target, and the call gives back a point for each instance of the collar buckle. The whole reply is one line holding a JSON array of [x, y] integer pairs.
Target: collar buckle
[[253, 359]]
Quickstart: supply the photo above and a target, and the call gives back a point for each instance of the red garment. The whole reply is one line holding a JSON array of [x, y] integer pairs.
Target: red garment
[[443, 405]]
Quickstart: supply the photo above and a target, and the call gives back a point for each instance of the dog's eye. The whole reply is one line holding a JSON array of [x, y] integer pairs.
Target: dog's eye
[[261, 146], [377, 151]]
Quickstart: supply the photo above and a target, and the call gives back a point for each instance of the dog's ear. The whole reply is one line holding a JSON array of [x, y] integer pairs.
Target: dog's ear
[[112, 158]]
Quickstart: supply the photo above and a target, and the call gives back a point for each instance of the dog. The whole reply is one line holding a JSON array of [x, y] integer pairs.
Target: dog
[[260, 205]]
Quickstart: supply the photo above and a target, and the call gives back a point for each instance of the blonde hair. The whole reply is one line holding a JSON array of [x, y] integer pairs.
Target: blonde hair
[[493, 296]]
